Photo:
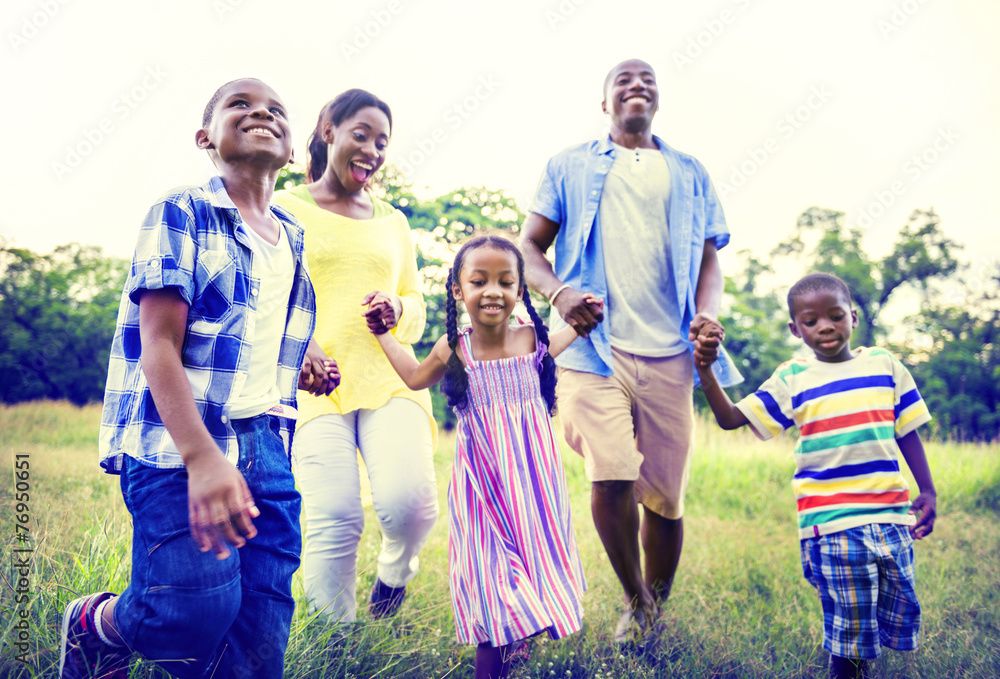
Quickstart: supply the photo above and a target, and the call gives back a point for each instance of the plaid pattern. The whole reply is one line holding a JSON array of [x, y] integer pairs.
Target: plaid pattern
[[194, 240], [864, 577]]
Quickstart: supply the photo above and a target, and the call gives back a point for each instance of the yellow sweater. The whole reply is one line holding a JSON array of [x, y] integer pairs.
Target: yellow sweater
[[348, 258]]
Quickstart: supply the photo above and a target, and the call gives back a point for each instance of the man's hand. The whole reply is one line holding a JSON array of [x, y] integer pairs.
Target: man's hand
[[707, 334], [220, 506], [582, 311]]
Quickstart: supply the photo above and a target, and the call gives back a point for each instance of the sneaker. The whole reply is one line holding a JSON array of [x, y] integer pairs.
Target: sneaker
[[385, 600], [82, 654]]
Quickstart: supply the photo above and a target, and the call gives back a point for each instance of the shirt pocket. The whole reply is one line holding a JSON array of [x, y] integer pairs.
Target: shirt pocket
[[215, 281]]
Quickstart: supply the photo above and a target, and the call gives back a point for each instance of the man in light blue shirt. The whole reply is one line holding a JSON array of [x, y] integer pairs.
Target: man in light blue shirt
[[638, 224]]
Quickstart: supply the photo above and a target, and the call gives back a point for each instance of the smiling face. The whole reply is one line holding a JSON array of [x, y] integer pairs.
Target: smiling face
[[631, 97], [489, 285], [823, 319], [357, 147], [248, 125]]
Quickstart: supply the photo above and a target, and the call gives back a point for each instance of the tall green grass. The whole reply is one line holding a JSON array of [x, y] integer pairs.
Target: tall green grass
[[740, 606]]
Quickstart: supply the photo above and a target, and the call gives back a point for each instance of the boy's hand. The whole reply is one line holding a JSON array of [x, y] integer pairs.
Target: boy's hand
[[926, 504], [319, 374], [382, 312], [707, 334], [220, 506]]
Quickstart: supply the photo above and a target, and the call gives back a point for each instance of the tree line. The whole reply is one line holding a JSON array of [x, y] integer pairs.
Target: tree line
[[58, 311]]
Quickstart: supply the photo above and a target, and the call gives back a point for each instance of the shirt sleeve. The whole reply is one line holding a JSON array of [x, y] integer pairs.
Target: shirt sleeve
[[548, 200], [165, 251], [911, 411], [769, 409], [410, 327], [715, 220]]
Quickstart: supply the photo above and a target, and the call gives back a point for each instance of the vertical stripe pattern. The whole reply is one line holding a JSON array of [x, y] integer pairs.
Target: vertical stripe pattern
[[515, 568]]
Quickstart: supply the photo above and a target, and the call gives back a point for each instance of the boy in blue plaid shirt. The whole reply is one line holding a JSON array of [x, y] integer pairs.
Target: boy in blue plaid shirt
[[208, 352]]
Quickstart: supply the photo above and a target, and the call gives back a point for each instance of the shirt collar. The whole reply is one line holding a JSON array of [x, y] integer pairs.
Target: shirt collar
[[217, 194]]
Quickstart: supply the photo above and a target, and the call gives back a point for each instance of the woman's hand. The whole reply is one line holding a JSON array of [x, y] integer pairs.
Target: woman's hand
[[382, 311], [319, 374]]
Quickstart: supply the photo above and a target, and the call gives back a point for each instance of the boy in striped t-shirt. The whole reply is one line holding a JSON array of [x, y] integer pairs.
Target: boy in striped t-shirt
[[856, 409]]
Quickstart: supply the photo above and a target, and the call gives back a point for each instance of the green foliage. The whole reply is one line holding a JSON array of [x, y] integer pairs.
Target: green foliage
[[57, 318], [920, 255], [960, 374]]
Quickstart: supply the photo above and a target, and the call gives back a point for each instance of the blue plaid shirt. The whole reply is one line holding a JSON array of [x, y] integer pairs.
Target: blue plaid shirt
[[195, 241], [569, 194]]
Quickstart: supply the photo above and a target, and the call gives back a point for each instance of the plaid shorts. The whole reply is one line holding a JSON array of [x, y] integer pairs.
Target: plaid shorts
[[865, 581]]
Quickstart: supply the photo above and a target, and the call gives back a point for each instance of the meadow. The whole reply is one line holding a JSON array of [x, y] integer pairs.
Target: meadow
[[740, 607]]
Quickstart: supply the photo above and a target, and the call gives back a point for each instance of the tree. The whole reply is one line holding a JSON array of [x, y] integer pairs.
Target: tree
[[57, 318], [959, 375], [921, 255]]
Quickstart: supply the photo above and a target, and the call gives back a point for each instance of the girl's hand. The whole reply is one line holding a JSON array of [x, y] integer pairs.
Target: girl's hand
[[579, 310], [382, 313], [220, 507], [319, 374]]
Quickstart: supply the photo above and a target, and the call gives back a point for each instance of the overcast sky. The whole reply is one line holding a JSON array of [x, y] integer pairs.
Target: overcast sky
[[871, 108]]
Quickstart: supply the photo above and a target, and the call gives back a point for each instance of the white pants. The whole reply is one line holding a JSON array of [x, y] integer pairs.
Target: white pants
[[395, 444]]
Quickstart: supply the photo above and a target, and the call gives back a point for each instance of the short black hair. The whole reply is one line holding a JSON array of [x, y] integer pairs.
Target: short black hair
[[817, 281], [614, 69], [206, 117]]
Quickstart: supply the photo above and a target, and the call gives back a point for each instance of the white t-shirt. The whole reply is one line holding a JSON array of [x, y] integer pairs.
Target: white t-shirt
[[273, 268], [643, 315]]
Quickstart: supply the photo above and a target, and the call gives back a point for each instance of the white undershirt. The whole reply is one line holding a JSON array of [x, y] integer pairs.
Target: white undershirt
[[273, 269], [643, 313]]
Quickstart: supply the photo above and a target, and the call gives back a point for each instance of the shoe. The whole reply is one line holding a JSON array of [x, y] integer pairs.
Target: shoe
[[82, 654], [385, 600]]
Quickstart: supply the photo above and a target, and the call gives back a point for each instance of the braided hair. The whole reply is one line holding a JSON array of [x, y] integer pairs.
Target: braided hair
[[455, 383], [336, 111]]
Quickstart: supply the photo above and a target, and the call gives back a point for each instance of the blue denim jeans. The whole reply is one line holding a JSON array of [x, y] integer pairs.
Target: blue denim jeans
[[191, 613]]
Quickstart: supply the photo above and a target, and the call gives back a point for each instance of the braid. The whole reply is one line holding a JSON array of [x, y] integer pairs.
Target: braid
[[547, 373], [456, 382]]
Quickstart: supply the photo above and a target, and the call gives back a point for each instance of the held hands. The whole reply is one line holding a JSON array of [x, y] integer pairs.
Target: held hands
[[382, 312], [707, 334], [319, 374], [220, 506], [926, 504], [581, 311]]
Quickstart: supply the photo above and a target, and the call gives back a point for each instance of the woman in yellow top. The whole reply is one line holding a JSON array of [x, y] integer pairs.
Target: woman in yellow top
[[356, 244]]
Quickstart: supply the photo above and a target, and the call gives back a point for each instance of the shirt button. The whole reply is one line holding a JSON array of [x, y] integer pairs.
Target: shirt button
[[224, 419], [594, 192], [253, 291]]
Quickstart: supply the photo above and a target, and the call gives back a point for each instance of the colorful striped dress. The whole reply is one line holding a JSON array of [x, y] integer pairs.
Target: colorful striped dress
[[514, 565], [849, 415]]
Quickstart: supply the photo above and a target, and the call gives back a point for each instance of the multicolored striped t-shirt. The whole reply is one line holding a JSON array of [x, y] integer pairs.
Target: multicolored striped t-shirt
[[849, 415]]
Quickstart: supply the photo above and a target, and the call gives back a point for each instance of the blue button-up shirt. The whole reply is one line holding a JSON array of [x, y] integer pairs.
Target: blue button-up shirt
[[194, 240], [569, 194]]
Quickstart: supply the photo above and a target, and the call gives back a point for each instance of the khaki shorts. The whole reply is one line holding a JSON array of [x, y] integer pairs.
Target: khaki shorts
[[637, 425]]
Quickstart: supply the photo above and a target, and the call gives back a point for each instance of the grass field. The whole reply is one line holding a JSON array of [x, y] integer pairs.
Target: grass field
[[740, 606]]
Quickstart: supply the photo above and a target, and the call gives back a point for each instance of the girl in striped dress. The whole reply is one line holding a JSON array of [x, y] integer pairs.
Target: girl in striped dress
[[514, 566]]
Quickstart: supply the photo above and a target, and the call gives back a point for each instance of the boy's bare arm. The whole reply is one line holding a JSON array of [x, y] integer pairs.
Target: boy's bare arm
[[726, 413], [220, 506], [912, 449]]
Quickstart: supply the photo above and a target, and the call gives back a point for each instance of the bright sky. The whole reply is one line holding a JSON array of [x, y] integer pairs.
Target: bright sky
[[872, 108]]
